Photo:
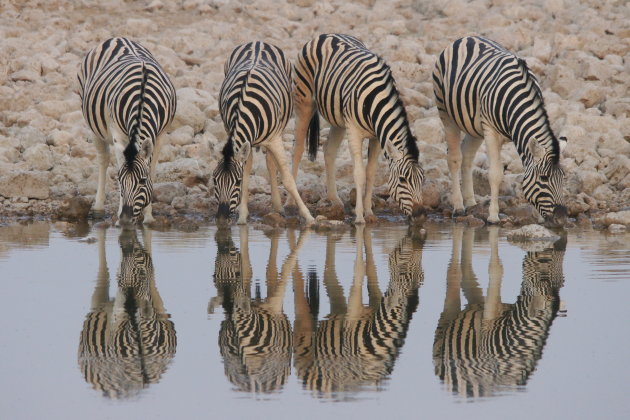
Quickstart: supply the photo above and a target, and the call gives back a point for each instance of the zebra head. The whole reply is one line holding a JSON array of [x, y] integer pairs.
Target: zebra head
[[228, 178], [405, 182], [136, 188], [543, 183]]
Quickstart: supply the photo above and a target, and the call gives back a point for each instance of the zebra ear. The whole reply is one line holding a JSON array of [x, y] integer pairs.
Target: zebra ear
[[146, 149], [562, 142], [243, 152], [537, 151], [392, 151]]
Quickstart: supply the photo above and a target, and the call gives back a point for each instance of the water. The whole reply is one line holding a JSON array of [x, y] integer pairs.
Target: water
[[367, 323]]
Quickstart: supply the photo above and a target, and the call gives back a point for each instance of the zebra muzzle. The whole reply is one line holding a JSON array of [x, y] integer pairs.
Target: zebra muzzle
[[418, 214], [223, 212], [125, 218], [558, 217]]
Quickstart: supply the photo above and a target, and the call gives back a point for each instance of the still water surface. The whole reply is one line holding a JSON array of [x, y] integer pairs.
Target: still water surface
[[368, 323]]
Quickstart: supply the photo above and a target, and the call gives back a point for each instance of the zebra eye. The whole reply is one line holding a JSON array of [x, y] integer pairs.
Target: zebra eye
[[402, 179], [544, 178]]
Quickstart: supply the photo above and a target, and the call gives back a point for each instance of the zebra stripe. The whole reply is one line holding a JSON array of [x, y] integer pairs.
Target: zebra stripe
[[353, 89], [255, 338], [490, 347], [489, 93], [128, 101], [356, 346], [127, 342], [256, 104]]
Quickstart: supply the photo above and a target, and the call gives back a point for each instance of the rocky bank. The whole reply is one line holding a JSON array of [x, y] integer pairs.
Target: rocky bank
[[579, 50]]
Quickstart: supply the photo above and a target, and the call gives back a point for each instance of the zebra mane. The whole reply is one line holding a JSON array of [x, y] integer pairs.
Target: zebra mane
[[228, 153], [531, 78], [132, 149]]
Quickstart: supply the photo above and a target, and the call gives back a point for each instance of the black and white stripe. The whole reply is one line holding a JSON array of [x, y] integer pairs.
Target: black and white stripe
[[356, 346], [353, 89], [128, 341], [256, 104], [490, 347], [127, 101], [489, 93]]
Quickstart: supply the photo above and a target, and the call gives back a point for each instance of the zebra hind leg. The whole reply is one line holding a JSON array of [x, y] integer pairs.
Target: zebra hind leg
[[243, 211], [335, 136], [276, 203], [370, 173], [453, 141], [494, 141], [470, 145], [355, 141], [102, 150], [304, 109]]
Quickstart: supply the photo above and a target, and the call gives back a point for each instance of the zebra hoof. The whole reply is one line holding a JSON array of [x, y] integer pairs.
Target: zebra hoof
[[458, 213]]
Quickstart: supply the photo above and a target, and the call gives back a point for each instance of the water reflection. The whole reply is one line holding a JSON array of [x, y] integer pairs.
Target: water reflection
[[255, 338], [489, 346], [127, 341], [356, 345]]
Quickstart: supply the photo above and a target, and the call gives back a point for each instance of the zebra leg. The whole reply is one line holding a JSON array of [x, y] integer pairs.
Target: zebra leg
[[147, 213], [469, 149], [492, 307], [304, 109], [453, 142], [276, 203], [243, 212], [355, 139], [373, 151], [494, 141], [335, 136], [277, 150], [102, 151]]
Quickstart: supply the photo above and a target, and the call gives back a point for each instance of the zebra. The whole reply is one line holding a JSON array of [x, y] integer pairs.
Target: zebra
[[354, 90], [356, 346], [255, 338], [127, 101], [489, 93], [489, 346], [127, 342], [256, 104]]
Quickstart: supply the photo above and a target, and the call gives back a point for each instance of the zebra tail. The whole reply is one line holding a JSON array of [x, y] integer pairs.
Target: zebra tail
[[313, 136]]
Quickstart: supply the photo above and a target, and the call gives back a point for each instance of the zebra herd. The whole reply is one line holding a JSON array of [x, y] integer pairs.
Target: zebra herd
[[481, 89]]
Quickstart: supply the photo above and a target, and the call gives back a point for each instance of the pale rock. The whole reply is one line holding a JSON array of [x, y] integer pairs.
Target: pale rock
[[181, 136], [165, 192], [137, 27], [32, 184], [590, 95], [603, 193], [615, 228], [619, 218], [532, 233], [189, 114], [429, 130], [39, 157]]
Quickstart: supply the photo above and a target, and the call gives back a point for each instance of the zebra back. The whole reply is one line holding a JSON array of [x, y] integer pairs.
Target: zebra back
[[127, 342], [121, 83], [255, 96], [352, 85]]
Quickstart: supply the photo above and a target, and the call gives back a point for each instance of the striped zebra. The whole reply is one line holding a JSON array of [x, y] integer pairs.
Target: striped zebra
[[128, 341], [128, 101], [490, 347], [356, 345], [256, 104], [489, 93], [354, 90], [255, 338]]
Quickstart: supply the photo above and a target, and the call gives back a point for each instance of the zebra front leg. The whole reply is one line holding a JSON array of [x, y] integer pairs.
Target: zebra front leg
[[147, 213], [102, 152], [243, 212], [469, 149], [277, 150], [453, 142], [276, 203], [373, 151], [335, 136], [355, 139], [494, 141]]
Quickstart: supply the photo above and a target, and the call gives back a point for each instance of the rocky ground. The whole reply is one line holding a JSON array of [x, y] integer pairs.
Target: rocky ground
[[579, 49]]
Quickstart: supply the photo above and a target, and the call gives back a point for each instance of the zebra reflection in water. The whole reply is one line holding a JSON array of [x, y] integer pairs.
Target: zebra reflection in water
[[356, 346], [255, 338], [489, 346], [128, 341]]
